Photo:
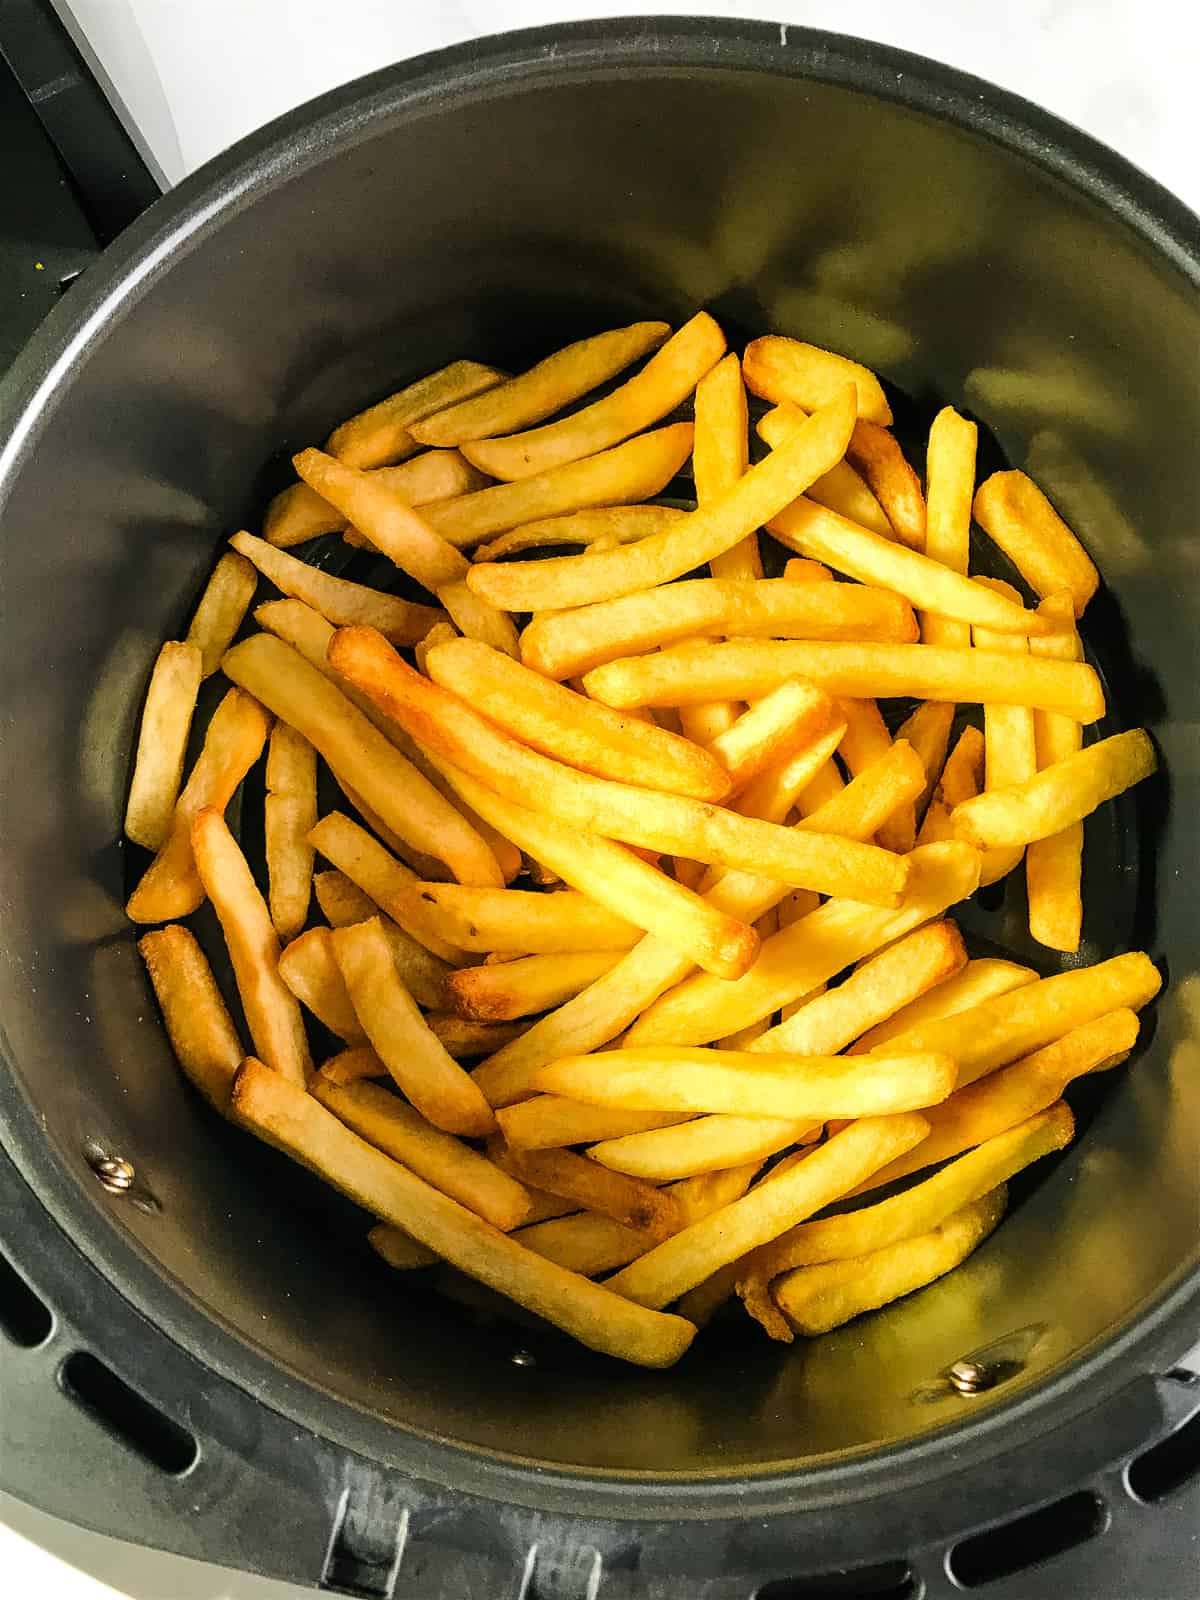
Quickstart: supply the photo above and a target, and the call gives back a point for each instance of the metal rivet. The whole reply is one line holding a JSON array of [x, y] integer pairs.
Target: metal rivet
[[971, 1377], [522, 1358], [114, 1172]]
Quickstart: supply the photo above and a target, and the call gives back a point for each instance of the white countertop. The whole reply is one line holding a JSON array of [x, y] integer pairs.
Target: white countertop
[[195, 76]]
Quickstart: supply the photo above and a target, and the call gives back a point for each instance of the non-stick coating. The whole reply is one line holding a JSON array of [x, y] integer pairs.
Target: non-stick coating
[[494, 220]]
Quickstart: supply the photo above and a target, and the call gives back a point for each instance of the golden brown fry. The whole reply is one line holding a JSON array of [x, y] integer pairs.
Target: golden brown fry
[[349, 1066], [741, 1084], [775, 728], [162, 744], [289, 815], [613, 1194], [380, 435], [1053, 866], [808, 953], [613, 524], [928, 731], [825, 536], [382, 1119], [523, 921], [774, 608], [573, 729], [961, 777], [435, 1083], [547, 1122], [757, 496], [294, 1122], [447, 726], [196, 1018], [545, 388], [1009, 752], [389, 884], [917, 1210], [358, 753], [721, 454], [399, 1249], [222, 608], [950, 484], [878, 456], [1014, 512], [527, 985], [863, 671], [1054, 798], [997, 1031], [702, 1145], [971, 985], [427, 868], [272, 1012], [877, 989], [798, 569], [786, 370], [816, 1299], [680, 1263], [841, 488], [774, 792], [466, 1040], [633, 471], [339, 601], [299, 513], [170, 886], [310, 970], [663, 383]]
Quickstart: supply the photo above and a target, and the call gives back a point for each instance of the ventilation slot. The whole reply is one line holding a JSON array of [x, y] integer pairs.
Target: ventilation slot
[[1168, 1465], [1027, 1541], [23, 1317], [890, 1580], [133, 1420]]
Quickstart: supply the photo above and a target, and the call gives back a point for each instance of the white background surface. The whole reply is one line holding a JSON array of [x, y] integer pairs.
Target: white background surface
[[197, 74]]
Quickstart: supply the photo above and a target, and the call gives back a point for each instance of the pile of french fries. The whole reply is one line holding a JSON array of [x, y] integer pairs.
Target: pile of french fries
[[628, 829]]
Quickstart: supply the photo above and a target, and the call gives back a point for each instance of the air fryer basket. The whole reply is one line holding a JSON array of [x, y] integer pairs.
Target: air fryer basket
[[494, 201]]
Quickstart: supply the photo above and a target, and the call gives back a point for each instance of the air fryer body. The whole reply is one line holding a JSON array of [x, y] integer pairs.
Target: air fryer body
[[494, 204]]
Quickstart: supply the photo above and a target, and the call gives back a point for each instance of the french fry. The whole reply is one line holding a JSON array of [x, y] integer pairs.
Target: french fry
[[380, 435], [950, 484], [1009, 751], [866, 738], [449, 727], [969, 986], [928, 731], [786, 370], [350, 1066], [575, 641], [777, 726], [980, 1110], [823, 535], [757, 496], [613, 1194], [358, 753], [720, 455], [162, 744], [338, 600], [197, 1021], [664, 382], [289, 813], [808, 953], [703, 1144], [961, 777], [441, 633], [387, 883], [773, 793], [544, 389], [434, 1082], [400, 1250], [795, 905], [1057, 796], [382, 1119], [999, 1030], [1016, 515], [798, 569], [926, 1206], [1053, 866], [618, 524], [841, 488], [523, 921], [876, 453], [877, 989], [222, 608], [573, 729], [816, 1299], [619, 880], [272, 1011], [427, 868], [466, 1040], [686, 1259], [309, 968], [293, 1121], [170, 886], [633, 471], [548, 1122], [653, 966], [299, 513], [739, 1084], [863, 671], [701, 1304], [527, 985]]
